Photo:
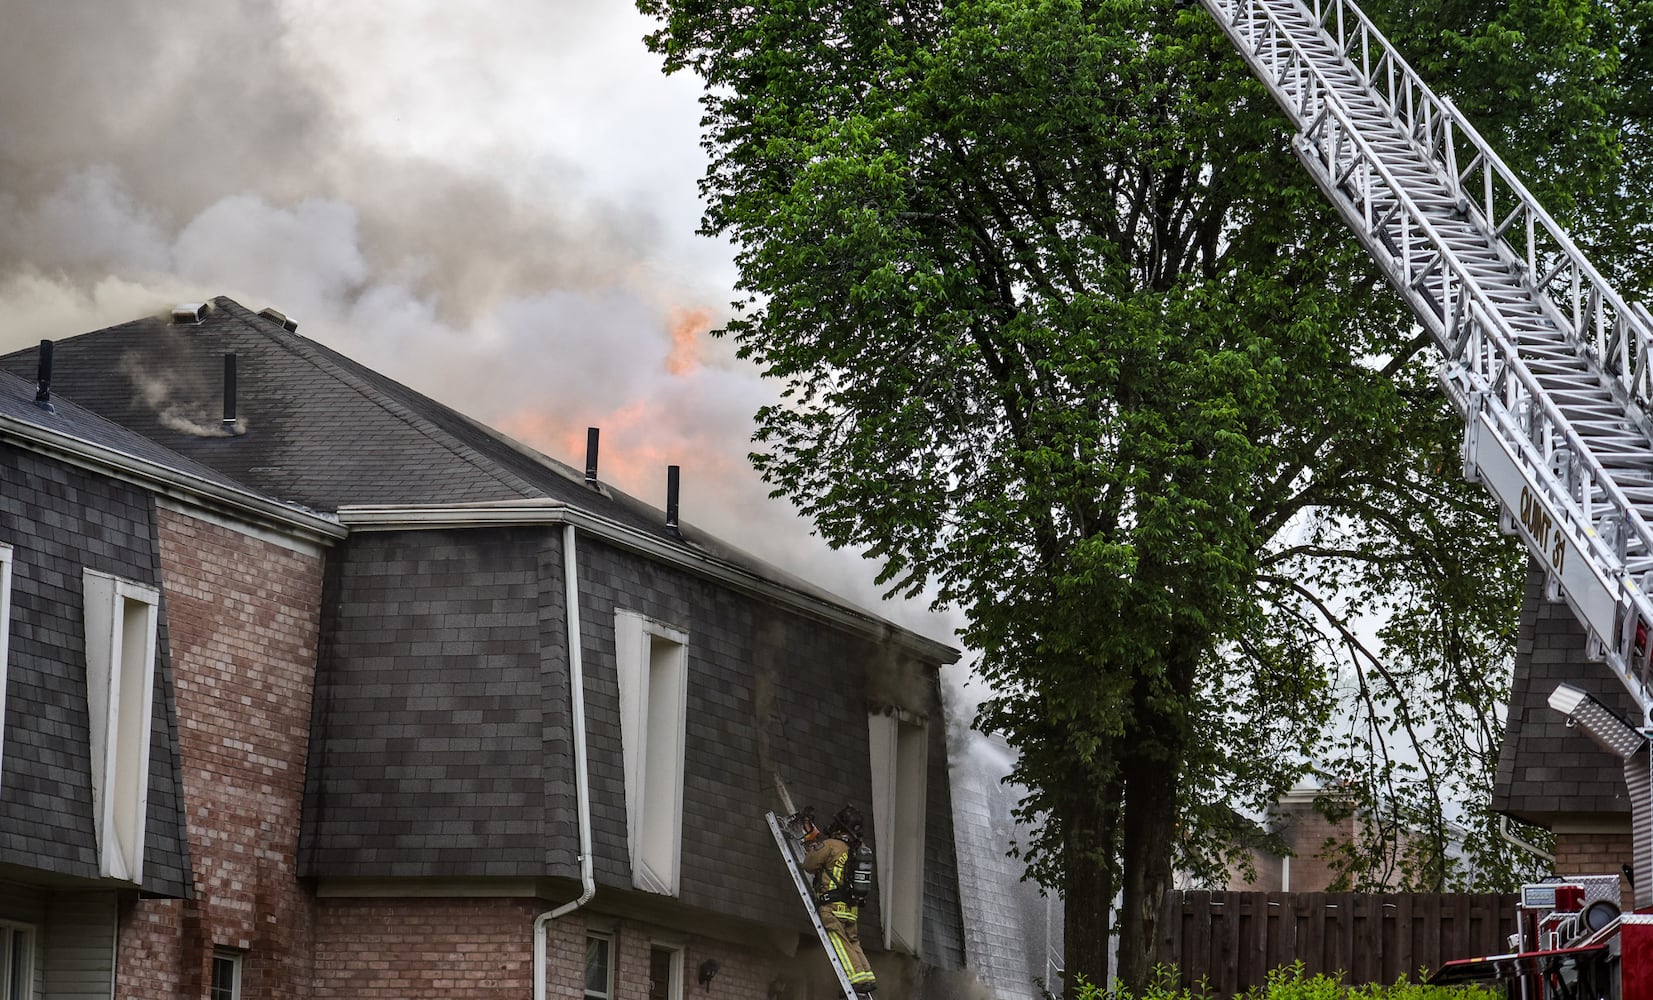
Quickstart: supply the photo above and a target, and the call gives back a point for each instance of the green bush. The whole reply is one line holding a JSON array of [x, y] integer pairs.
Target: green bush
[[1290, 983]]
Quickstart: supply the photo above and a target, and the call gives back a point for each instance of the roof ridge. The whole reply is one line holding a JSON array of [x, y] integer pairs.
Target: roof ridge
[[326, 359]]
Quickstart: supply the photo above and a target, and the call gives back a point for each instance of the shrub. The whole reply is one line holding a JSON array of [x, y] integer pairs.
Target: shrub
[[1290, 983]]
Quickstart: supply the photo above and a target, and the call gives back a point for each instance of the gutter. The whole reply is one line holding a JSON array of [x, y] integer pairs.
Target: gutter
[[167, 481], [582, 788], [1531, 848]]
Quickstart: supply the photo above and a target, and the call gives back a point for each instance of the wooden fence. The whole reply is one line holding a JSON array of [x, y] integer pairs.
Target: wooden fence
[[1232, 939]]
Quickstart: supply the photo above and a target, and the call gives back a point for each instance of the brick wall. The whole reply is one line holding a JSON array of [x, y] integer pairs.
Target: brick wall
[[742, 973], [1305, 832], [480, 949], [410, 949], [1311, 871], [1591, 853], [1595, 854], [242, 615]]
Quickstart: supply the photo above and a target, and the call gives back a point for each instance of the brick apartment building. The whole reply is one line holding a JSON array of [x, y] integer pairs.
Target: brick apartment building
[[295, 663]]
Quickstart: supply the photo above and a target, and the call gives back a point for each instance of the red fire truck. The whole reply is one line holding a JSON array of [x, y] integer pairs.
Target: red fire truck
[[1573, 944]]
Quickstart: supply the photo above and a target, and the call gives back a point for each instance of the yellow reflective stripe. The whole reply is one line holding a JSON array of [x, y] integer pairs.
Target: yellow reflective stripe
[[843, 956]]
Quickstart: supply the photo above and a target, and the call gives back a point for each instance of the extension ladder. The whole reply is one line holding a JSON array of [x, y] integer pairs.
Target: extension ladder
[[792, 854], [1548, 366]]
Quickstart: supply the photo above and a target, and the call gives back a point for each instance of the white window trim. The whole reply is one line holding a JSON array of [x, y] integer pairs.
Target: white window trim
[[898, 751], [8, 988], [234, 958], [118, 703], [5, 647], [585, 993], [674, 984], [633, 640]]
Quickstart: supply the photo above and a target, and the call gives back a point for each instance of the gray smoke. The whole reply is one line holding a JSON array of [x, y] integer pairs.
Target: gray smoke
[[495, 206]]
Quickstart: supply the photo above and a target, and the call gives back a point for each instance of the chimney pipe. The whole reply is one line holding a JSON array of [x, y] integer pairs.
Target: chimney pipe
[[43, 378], [671, 500], [229, 392], [591, 457]]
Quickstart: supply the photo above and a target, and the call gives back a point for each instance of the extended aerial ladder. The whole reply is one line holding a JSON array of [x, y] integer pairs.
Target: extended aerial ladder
[[1551, 370], [1547, 364]]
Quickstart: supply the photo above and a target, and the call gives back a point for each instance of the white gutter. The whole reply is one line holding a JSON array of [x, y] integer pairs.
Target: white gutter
[[168, 481], [582, 788], [1530, 848]]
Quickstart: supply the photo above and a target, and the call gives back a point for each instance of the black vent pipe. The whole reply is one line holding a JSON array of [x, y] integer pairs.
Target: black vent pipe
[[591, 457], [229, 392], [43, 378], [671, 500]]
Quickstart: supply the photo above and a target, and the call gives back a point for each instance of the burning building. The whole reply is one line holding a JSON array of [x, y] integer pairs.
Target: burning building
[[318, 688]]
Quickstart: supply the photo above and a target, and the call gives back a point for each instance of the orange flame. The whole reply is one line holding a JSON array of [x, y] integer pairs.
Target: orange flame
[[686, 326], [632, 458]]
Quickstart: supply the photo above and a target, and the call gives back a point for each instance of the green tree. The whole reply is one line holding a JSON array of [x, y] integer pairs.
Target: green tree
[[1067, 335]]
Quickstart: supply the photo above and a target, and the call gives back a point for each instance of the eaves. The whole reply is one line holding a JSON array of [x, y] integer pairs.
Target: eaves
[[166, 481]]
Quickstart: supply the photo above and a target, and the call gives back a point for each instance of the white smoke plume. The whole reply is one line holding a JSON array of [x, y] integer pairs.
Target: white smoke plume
[[494, 205]]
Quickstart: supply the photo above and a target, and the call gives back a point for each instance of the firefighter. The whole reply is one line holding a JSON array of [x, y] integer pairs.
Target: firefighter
[[842, 866]]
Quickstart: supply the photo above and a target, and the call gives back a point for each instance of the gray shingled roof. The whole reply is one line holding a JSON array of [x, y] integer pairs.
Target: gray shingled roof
[[65, 417], [314, 428], [1546, 770], [320, 430]]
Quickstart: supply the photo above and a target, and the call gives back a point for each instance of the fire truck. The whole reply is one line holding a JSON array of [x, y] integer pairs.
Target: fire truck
[[1552, 373]]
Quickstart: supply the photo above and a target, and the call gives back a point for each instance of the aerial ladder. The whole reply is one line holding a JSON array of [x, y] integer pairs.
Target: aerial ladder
[[1550, 369]]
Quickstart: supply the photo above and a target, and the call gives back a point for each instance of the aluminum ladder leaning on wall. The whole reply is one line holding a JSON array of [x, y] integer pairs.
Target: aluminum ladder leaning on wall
[[791, 853], [1546, 363]]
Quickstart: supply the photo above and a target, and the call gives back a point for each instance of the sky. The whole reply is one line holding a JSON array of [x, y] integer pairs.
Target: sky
[[494, 203]]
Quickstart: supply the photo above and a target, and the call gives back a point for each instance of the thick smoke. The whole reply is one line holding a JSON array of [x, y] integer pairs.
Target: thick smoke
[[496, 208]]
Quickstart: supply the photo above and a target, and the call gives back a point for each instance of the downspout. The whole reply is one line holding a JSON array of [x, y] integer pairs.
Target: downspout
[[582, 788], [1530, 848]]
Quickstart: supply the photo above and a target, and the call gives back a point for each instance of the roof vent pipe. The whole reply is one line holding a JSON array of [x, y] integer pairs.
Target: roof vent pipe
[[43, 379], [591, 457], [671, 500], [229, 392], [189, 313]]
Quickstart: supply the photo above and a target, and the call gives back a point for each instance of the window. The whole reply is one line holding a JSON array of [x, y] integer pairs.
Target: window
[[5, 656], [120, 685], [599, 967], [16, 955], [226, 975], [665, 973], [899, 750], [652, 660]]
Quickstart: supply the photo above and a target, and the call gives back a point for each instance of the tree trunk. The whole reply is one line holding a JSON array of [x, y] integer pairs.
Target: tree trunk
[[1152, 768], [1150, 828], [1088, 886]]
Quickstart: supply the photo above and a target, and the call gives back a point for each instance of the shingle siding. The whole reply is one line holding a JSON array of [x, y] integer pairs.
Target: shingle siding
[[943, 910], [60, 520], [769, 690], [431, 709], [1545, 769], [561, 840]]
